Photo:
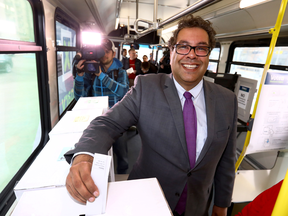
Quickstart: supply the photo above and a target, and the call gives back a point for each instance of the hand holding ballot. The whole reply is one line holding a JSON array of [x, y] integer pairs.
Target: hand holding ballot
[[79, 182]]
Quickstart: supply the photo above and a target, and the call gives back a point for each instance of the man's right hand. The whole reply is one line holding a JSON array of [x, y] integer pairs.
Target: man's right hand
[[79, 182], [80, 66]]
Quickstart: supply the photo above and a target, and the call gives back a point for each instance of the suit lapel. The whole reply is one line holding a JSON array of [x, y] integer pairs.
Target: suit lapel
[[210, 102], [173, 100]]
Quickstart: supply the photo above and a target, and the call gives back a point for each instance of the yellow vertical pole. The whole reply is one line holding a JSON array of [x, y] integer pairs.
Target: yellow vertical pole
[[275, 32], [281, 207]]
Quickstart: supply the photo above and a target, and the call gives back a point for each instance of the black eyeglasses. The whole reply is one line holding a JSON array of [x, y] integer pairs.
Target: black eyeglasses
[[184, 49]]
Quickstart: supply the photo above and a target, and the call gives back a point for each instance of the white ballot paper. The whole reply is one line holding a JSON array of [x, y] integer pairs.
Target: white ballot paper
[[130, 70], [99, 173]]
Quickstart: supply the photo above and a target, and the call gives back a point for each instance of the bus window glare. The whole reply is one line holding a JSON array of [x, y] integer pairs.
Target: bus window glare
[[91, 38]]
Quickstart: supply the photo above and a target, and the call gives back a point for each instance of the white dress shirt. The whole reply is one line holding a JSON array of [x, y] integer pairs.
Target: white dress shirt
[[200, 107]]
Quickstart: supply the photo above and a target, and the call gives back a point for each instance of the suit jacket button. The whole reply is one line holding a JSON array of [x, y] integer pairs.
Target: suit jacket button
[[189, 174], [177, 194]]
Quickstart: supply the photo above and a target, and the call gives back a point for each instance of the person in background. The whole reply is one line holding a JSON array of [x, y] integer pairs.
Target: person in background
[[147, 68], [165, 63], [124, 59], [187, 127], [263, 204], [145, 58], [151, 68], [134, 63], [111, 81], [151, 60]]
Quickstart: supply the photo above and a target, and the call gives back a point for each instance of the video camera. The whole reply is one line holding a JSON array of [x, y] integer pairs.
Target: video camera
[[90, 53]]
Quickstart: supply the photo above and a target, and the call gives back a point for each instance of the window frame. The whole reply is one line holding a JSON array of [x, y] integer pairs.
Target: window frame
[[254, 43], [7, 196], [216, 61]]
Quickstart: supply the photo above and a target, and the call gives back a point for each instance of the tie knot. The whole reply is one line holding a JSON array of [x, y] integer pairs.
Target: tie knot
[[187, 95]]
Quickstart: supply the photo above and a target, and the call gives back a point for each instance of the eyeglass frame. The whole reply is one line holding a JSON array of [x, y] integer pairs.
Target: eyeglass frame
[[192, 47]]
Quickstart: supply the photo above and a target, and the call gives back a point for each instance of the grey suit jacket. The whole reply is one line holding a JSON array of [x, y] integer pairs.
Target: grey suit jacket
[[153, 105]]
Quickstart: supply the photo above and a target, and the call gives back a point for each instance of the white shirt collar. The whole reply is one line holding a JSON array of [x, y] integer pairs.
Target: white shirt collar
[[194, 91]]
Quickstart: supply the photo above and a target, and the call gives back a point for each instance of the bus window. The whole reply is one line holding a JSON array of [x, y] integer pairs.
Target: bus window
[[214, 59], [20, 121], [143, 50], [16, 21], [66, 50], [250, 61]]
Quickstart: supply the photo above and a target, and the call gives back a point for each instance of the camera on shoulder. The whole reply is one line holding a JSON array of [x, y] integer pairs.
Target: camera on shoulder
[[91, 51]]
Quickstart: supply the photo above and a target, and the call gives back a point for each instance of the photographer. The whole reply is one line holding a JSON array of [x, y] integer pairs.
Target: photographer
[[111, 80], [165, 63]]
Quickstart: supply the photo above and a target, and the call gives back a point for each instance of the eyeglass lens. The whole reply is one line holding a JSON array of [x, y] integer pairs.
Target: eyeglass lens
[[185, 49]]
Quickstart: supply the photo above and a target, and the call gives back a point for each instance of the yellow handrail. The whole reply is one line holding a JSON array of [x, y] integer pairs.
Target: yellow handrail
[[275, 32], [281, 207]]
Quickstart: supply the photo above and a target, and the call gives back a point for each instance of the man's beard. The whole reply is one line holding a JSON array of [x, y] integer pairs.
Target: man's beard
[[107, 62]]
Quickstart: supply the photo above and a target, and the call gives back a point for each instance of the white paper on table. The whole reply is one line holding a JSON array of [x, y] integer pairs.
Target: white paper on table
[[99, 173], [130, 70]]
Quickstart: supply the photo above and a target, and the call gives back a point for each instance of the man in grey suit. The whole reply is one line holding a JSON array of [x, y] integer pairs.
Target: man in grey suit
[[155, 106]]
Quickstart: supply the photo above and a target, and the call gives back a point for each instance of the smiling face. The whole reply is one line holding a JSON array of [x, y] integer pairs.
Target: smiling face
[[188, 70]]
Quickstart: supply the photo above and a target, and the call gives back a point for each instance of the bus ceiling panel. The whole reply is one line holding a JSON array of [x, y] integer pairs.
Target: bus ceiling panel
[[265, 15], [165, 9], [90, 14], [228, 19], [106, 10], [234, 22]]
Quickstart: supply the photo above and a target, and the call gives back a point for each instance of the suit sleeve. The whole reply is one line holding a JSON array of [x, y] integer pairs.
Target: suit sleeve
[[102, 132], [225, 172]]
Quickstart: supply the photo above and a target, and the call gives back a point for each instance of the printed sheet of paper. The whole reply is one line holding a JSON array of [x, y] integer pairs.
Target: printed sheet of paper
[[270, 129], [130, 70], [92, 103], [99, 173]]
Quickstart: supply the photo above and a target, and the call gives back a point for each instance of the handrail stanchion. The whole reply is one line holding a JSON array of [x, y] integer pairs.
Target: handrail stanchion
[[281, 207]]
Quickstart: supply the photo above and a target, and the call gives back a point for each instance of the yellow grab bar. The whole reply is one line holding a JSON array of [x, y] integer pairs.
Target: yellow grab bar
[[275, 32], [281, 207]]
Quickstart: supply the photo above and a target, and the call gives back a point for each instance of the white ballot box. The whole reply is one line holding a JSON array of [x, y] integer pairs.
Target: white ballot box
[[136, 197], [50, 168], [75, 121], [91, 103]]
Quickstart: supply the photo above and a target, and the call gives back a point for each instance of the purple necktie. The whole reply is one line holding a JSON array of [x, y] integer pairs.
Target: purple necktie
[[190, 123]]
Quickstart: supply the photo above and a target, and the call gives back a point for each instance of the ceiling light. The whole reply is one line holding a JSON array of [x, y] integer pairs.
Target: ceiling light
[[91, 38], [249, 3]]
